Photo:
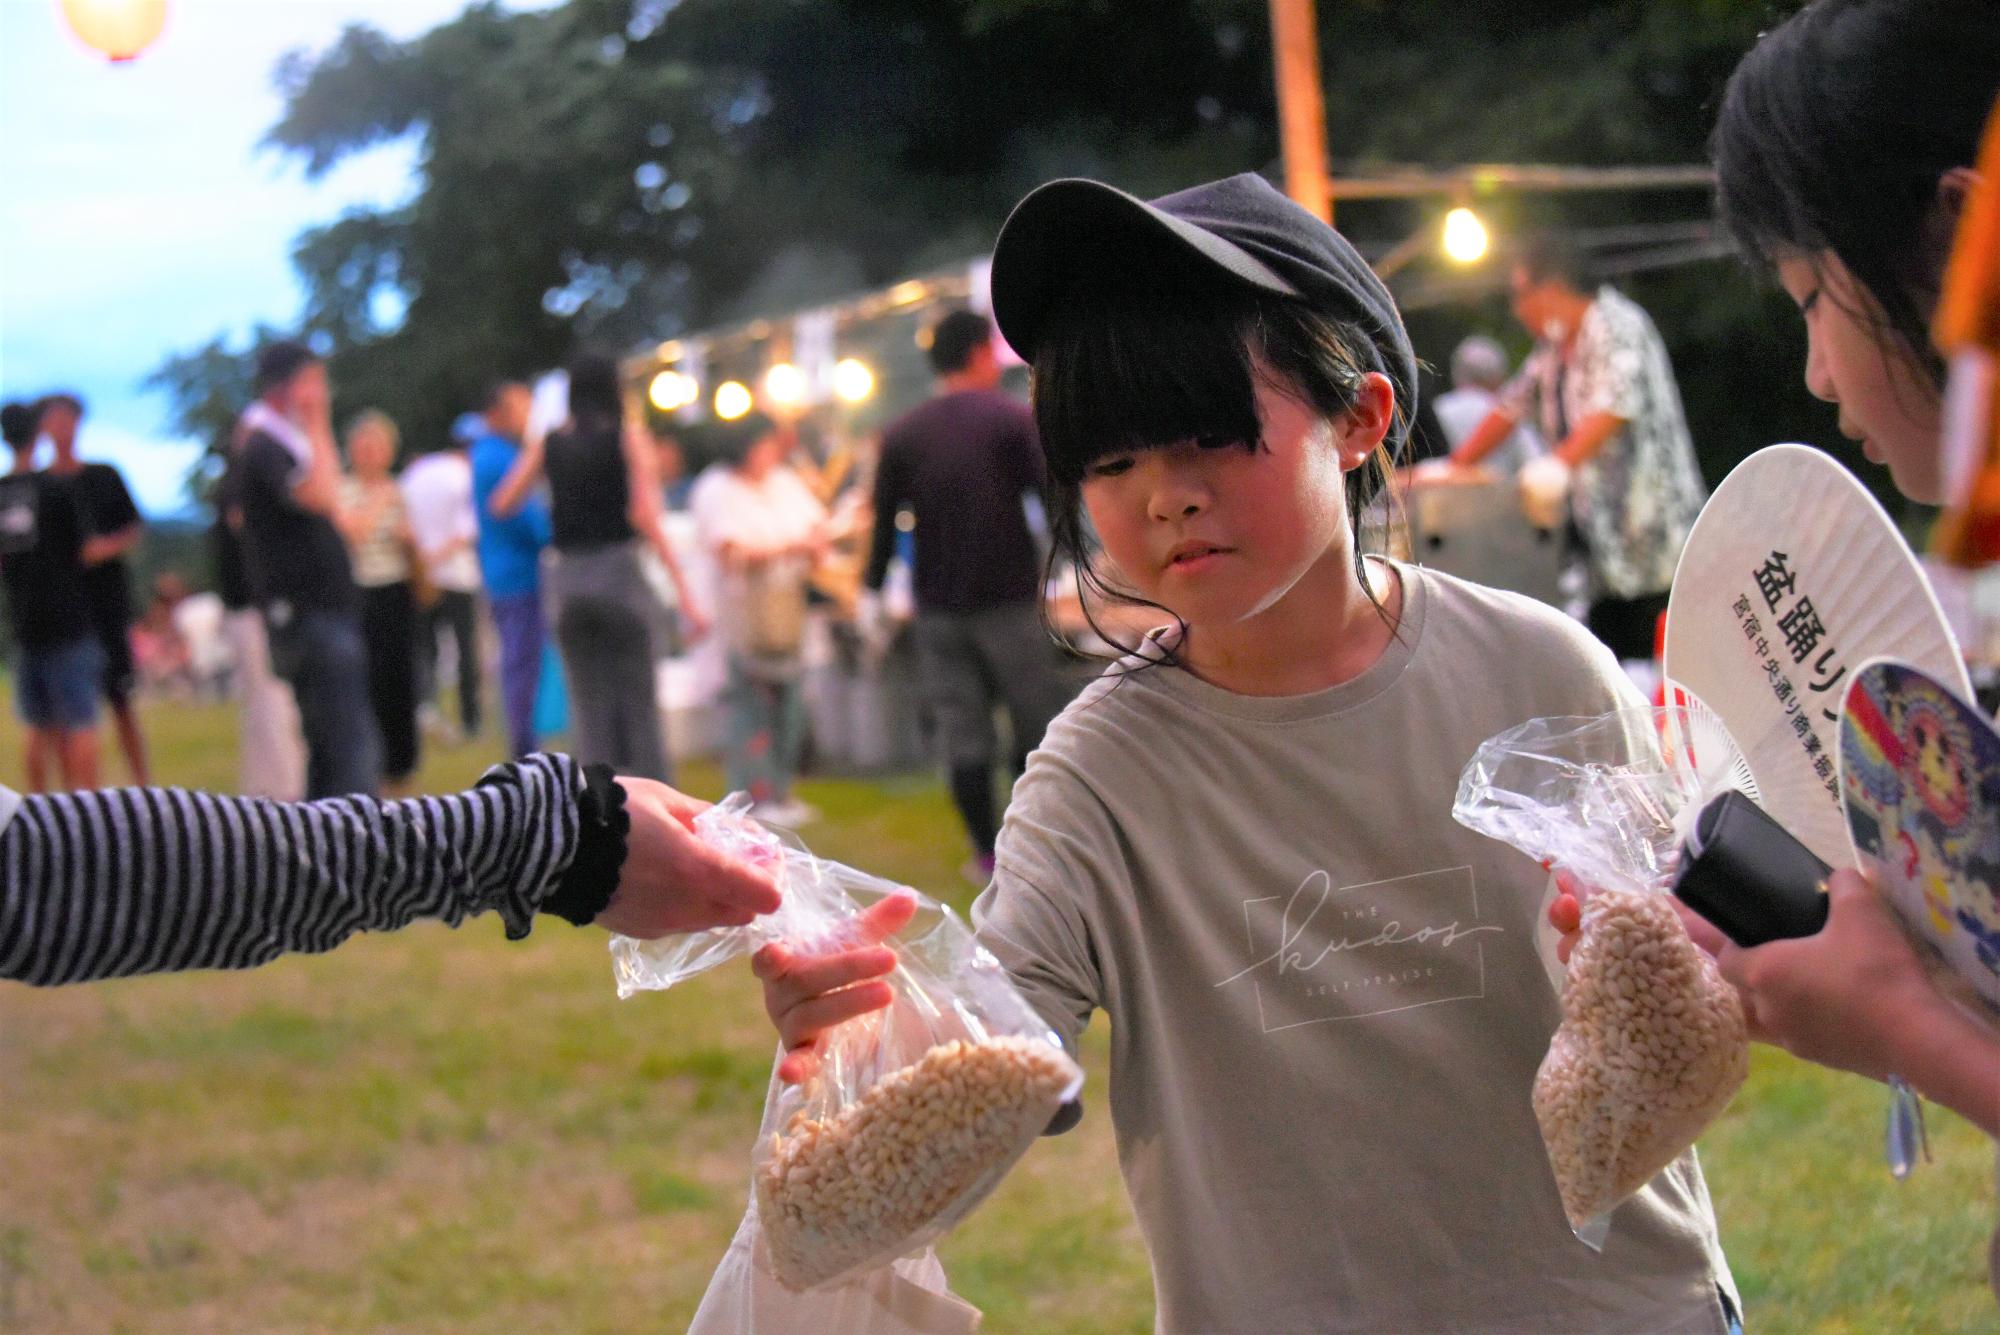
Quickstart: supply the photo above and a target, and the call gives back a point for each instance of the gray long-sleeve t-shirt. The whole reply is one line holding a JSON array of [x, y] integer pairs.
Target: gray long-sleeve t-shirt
[[1326, 998]]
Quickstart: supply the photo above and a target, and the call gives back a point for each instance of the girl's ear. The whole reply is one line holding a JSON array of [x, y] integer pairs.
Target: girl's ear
[[1941, 224], [1361, 429], [1954, 187]]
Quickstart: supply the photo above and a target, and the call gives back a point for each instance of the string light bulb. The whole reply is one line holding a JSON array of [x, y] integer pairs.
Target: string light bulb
[[853, 382], [785, 385], [732, 400], [673, 390], [116, 29], [1465, 237]]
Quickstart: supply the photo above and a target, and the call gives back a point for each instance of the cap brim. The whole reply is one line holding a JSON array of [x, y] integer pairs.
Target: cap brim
[[1067, 228]]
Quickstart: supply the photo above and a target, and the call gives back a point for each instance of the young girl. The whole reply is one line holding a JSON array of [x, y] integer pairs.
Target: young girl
[[1326, 1001], [1848, 190]]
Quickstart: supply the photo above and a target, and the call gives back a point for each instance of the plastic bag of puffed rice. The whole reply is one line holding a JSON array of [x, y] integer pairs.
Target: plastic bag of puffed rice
[[907, 1297], [1652, 1044], [917, 1111]]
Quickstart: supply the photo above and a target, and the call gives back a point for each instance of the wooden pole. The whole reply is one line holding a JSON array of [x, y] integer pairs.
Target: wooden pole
[[1301, 108]]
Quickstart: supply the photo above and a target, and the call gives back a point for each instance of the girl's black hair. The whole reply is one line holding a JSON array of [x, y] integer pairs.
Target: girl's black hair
[[1834, 133], [593, 390], [1121, 370]]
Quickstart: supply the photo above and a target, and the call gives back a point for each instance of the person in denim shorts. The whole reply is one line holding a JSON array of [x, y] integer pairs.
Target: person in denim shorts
[[60, 663]]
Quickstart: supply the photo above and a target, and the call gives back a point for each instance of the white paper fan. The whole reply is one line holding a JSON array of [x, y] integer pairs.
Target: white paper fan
[[550, 406], [1694, 739], [1793, 578]]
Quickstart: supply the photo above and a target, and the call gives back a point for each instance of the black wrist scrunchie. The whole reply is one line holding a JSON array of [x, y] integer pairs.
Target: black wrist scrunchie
[[603, 825]]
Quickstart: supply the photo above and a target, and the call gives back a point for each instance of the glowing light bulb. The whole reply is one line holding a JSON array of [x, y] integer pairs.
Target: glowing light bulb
[[117, 29], [672, 390], [785, 384], [732, 400], [1465, 238], [853, 382]]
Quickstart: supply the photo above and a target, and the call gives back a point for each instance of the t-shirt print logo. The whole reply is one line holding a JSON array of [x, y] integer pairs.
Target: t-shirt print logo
[[1374, 949]]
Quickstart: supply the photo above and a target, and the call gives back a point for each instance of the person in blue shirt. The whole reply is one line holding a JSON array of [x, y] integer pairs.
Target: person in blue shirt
[[513, 530]]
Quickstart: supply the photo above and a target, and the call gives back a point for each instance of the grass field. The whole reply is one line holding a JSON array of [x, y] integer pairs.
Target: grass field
[[438, 1131]]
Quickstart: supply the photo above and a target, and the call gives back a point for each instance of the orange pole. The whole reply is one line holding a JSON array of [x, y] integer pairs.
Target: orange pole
[[1301, 108]]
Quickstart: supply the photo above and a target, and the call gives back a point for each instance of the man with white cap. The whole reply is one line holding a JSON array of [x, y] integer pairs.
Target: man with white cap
[[1478, 370]]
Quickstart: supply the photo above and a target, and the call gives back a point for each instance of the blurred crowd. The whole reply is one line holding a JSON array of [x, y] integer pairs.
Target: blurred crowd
[[773, 587]]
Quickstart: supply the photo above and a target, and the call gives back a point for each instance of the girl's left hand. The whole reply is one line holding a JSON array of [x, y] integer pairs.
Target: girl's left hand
[[1566, 916]]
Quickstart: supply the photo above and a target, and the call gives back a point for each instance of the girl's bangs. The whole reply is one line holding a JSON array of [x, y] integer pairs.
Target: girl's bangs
[[1120, 373]]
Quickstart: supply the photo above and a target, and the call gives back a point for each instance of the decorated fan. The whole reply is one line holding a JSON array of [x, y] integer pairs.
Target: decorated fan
[[1920, 775], [1792, 578]]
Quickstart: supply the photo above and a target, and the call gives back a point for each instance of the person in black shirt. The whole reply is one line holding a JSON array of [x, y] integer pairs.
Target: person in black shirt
[[963, 464], [112, 524], [42, 564], [286, 482], [270, 746], [604, 509]]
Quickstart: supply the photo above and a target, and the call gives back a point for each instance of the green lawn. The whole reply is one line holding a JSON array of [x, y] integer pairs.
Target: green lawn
[[439, 1131]]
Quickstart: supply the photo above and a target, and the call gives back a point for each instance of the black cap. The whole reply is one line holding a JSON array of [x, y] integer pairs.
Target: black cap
[[1242, 227]]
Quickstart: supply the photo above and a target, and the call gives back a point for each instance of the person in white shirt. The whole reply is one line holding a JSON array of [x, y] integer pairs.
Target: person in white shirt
[[1478, 370], [764, 529], [437, 494]]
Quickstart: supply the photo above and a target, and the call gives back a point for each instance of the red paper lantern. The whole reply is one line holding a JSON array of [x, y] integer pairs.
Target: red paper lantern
[[120, 29]]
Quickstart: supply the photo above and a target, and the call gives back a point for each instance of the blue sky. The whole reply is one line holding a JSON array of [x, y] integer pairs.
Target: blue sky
[[138, 216]]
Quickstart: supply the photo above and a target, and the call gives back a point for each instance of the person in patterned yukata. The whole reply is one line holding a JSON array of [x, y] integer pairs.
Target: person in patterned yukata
[[1600, 386]]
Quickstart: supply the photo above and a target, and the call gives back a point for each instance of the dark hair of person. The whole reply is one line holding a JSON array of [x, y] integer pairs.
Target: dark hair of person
[[1553, 257], [278, 362], [18, 423], [61, 399], [955, 338], [490, 393], [594, 397], [734, 440], [1123, 370], [1834, 133]]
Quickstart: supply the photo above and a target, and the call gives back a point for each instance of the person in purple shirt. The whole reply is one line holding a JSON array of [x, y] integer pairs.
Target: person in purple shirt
[[963, 463]]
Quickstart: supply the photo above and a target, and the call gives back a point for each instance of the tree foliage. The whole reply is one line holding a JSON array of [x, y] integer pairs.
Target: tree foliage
[[623, 170]]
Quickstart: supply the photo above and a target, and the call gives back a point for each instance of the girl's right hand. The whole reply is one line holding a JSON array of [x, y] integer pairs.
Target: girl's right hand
[[806, 995]]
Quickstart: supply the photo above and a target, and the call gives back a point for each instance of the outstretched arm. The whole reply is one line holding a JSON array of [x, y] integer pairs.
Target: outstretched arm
[[145, 880]]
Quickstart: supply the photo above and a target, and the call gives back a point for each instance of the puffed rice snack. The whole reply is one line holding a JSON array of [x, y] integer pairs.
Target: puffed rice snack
[[1652, 1046], [837, 1193]]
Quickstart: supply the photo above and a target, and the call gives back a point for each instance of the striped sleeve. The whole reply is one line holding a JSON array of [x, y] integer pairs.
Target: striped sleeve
[[147, 880]]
